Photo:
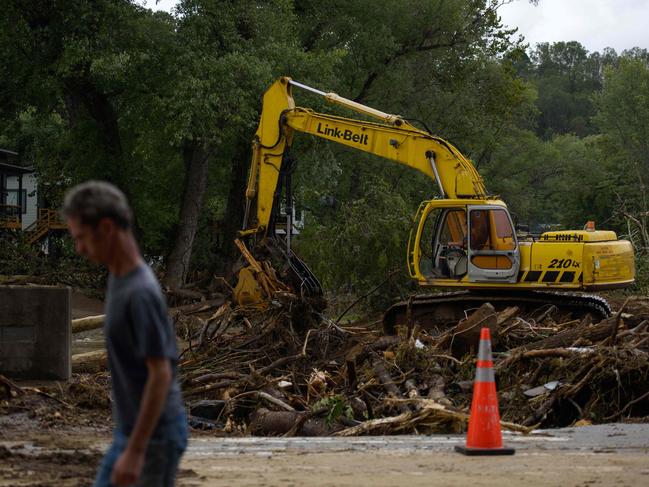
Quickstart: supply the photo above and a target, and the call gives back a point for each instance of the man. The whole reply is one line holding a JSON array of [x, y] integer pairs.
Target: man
[[150, 430]]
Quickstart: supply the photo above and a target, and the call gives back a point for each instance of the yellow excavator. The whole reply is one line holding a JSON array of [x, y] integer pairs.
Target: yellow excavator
[[463, 238]]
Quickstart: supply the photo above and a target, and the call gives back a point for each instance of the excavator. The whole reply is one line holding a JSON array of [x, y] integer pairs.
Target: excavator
[[463, 239]]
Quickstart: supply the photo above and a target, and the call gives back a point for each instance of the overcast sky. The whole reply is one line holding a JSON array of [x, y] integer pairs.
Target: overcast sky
[[620, 24]]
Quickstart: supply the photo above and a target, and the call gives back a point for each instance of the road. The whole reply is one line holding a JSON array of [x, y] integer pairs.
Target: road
[[614, 454]]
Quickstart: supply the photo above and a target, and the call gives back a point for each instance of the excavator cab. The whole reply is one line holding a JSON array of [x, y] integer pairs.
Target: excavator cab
[[466, 241]]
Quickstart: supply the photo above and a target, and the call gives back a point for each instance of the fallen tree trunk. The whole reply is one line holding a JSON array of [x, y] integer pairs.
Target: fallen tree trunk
[[87, 323], [267, 422], [566, 338], [464, 338], [541, 353], [386, 379], [90, 362]]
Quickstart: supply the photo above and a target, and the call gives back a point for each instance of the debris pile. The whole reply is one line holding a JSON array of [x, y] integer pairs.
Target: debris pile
[[276, 371], [82, 401], [259, 372]]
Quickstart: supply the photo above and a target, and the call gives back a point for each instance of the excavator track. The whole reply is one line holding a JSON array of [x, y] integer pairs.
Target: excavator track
[[433, 310]]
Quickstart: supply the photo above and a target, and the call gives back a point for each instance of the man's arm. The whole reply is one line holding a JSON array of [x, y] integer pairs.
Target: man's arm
[[129, 465]]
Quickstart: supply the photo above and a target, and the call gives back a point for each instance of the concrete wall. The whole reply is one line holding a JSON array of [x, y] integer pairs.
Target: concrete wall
[[35, 338]]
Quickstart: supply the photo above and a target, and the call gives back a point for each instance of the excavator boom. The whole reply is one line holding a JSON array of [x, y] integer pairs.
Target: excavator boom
[[464, 239], [391, 138]]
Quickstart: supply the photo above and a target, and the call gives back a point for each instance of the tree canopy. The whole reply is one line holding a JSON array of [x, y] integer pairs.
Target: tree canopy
[[165, 106]]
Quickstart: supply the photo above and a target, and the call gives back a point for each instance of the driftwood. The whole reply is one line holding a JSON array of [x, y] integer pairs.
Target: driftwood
[[87, 323], [430, 412], [464, 337], [568, 337], [384, 377], [413, 385], [542, 353], [94, 322], [200, 307], [10, 385], [281, 422], [505, 315], [90, 362]]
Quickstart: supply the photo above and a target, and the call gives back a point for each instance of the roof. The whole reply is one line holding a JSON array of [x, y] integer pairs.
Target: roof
[[13, 169]]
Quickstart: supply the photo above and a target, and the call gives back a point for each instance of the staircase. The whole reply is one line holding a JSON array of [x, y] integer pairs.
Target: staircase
[[47, 220]]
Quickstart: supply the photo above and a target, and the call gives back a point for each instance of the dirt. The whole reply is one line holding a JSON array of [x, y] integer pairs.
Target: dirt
[[418, 469], [82, 305], [61, 468], [601, 455]]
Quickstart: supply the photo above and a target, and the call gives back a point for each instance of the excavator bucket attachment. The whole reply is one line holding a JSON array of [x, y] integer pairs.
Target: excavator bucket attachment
[[247, 291]]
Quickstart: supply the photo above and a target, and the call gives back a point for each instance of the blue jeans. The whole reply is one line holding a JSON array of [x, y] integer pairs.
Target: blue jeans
[[163, 453]]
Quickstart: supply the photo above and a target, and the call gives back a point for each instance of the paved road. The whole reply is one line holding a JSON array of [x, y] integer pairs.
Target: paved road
[[615, 454], [600, 438]]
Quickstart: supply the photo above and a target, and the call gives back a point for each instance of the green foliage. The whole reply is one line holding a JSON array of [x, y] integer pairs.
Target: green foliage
[[110, 90], [356, 246], [641, 274], [18, 257], [337, 407], [623, 118]]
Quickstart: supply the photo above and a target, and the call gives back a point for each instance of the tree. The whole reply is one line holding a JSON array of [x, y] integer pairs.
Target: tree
[[88, 72], [623, 118], [566, 75], [433, 62]]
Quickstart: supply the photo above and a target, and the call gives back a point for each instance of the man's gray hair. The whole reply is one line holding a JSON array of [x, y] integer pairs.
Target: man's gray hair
[[92, 201]]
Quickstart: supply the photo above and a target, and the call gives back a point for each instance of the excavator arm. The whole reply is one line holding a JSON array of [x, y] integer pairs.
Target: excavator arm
[[469, 236], [391, 137]]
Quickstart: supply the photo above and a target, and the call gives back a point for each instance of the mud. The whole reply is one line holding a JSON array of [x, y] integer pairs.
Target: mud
[[615, 454]]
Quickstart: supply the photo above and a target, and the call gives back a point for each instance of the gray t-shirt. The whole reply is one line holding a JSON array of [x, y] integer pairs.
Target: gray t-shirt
[[136, 327]]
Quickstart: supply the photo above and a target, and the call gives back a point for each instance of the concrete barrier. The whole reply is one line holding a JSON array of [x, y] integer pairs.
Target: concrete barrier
[[35, 338]]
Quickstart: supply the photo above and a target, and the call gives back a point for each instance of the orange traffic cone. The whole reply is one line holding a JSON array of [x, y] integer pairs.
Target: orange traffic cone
[[484, 436]]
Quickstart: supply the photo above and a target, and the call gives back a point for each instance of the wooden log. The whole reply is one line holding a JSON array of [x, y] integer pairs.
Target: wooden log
[[505, 315], [465, 337], [267, 422], [23, 279], [200, 307], [204, 378], [541, 353], [386, 379], [94, 322], [87, 323], [412, 388], [360, 352], [10, 385], [566, 338], [90, 362]]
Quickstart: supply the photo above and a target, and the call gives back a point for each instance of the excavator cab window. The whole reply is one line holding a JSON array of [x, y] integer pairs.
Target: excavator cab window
[[491, 230], [492, 245], [448, 242]]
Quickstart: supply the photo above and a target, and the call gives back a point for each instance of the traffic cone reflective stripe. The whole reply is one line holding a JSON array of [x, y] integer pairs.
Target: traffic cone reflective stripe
[[484, 436]]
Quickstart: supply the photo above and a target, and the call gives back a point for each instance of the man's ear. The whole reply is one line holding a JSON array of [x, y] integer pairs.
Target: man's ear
[[106, 227]]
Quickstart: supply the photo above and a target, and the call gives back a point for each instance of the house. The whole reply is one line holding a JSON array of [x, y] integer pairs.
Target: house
[[19, 200], [18, 195]]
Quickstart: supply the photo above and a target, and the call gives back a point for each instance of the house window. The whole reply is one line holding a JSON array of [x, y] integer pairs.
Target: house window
[[12, 199]]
